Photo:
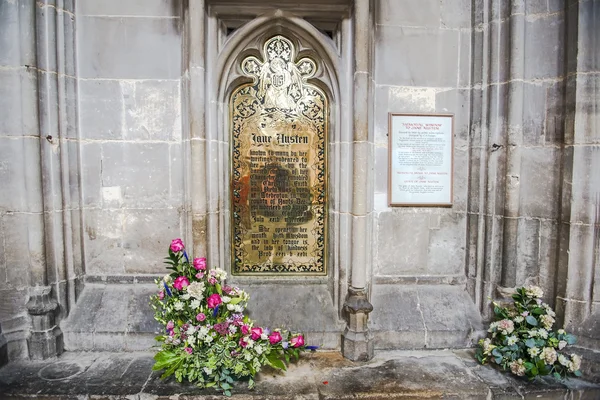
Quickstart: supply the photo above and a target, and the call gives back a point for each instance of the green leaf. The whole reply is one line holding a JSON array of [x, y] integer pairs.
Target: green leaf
[[577, 373], [235, 300], [538, 311], [226, 385], [530, 343], [531, 320], [556, 375], [496, 352], [227, 393], [570, 339], [218, 287], [275, 362]]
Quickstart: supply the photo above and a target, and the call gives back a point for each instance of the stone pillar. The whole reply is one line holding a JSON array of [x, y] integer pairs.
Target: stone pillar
[[46, 338], [3, 349], [357, 341]]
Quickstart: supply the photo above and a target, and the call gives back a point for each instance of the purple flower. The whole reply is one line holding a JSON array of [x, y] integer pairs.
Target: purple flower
[[188, 350], [285, 345]]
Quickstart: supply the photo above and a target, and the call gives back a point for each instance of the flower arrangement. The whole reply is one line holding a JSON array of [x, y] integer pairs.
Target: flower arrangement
[[522, 339], [208, 340]]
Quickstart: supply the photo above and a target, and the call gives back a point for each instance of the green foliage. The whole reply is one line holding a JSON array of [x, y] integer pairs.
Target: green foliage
[[522, 340]]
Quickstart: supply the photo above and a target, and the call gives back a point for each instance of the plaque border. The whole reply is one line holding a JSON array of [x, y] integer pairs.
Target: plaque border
[[391, 203]]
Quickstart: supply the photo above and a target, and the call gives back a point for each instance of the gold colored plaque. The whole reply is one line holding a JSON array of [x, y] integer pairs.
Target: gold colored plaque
[[279, 181]]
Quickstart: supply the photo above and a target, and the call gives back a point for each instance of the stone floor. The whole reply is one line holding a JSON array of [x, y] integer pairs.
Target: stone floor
[[448, 374]]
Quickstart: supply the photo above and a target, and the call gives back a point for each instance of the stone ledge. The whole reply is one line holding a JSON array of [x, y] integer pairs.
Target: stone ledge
[[430, 374]]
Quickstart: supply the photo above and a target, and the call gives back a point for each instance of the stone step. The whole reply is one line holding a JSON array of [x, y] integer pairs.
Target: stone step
[[431, 374]]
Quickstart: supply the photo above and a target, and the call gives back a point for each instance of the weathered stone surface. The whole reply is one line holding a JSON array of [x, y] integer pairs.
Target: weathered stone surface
[[408, 13], [136, 48], [420, 46], [148, 8]]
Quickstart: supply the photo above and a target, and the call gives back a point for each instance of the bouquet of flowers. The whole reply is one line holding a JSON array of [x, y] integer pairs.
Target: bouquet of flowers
[[523, 341], [207, 339]]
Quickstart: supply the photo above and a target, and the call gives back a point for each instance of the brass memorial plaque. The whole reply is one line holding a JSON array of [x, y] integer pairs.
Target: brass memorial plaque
[[279, 180]]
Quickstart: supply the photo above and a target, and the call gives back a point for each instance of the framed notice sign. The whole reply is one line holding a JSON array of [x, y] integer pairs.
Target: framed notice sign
[[420, 159]]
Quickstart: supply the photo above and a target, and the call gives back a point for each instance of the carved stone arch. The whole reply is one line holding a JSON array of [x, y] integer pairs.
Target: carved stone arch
[[213, 52]]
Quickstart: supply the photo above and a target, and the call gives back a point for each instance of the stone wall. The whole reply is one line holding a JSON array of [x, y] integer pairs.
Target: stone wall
[[112, 144]]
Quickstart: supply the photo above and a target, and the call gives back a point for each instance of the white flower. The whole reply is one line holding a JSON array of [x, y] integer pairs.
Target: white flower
[[178, 306], [543, 333], [561, 331], [238, 308], [191, 330], [517, 367], [548, 355], [519, 319], [258, 348], [207, 370], [196, 290], [534, 291], [533, 333], [195, 304], [225, 299], [232, 328], [264, 336], [219, 274], [562, 344], [533, 352], [563, 360], [575, 363], [230, 307], [248, 356], [547, 321], [208, 339], [186, 296], [512, 340], [549, 310], [250, 343], [167, 278]]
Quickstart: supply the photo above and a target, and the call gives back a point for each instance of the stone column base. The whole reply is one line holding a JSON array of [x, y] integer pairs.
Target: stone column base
[[357, 341], [46, 339]]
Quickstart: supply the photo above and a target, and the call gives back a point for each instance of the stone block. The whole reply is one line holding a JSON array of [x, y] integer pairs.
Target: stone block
[[406, 57], [424, 13], [455, 14], [539, 182], [554, 124], [12, 195], [457, 102], [141, 170], [500, 57], [103, 239], [402, 243], [135, 48], [587, 118], [141, 315], [396, 320], [544, 47], [146, 238], [91, 173], [152, 110], [23, 245], [446, 251], [147, 8], [381, 169], [449, 315], [534, 111], [18, 118], [101, 109], [310, 309]]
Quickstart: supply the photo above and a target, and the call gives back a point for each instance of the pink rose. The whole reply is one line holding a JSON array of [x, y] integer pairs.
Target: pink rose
[[275, 337], [170, 325], [200, 317], [245, 329], [214, 300], [161, 295], [177, 245], [212, 280], [297, 341], [200, 263], [188, 350], [256, 332], [200, 275], [181, 282], [243, 342]]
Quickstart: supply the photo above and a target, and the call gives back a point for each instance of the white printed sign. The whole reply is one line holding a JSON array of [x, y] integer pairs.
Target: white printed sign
[[420, 151]]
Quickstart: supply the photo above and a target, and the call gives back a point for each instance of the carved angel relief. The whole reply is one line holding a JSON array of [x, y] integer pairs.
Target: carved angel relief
[[279, 194]]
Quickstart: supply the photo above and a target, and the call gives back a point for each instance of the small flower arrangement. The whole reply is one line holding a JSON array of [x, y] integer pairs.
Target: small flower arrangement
[[208, 340], [522, 339]]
